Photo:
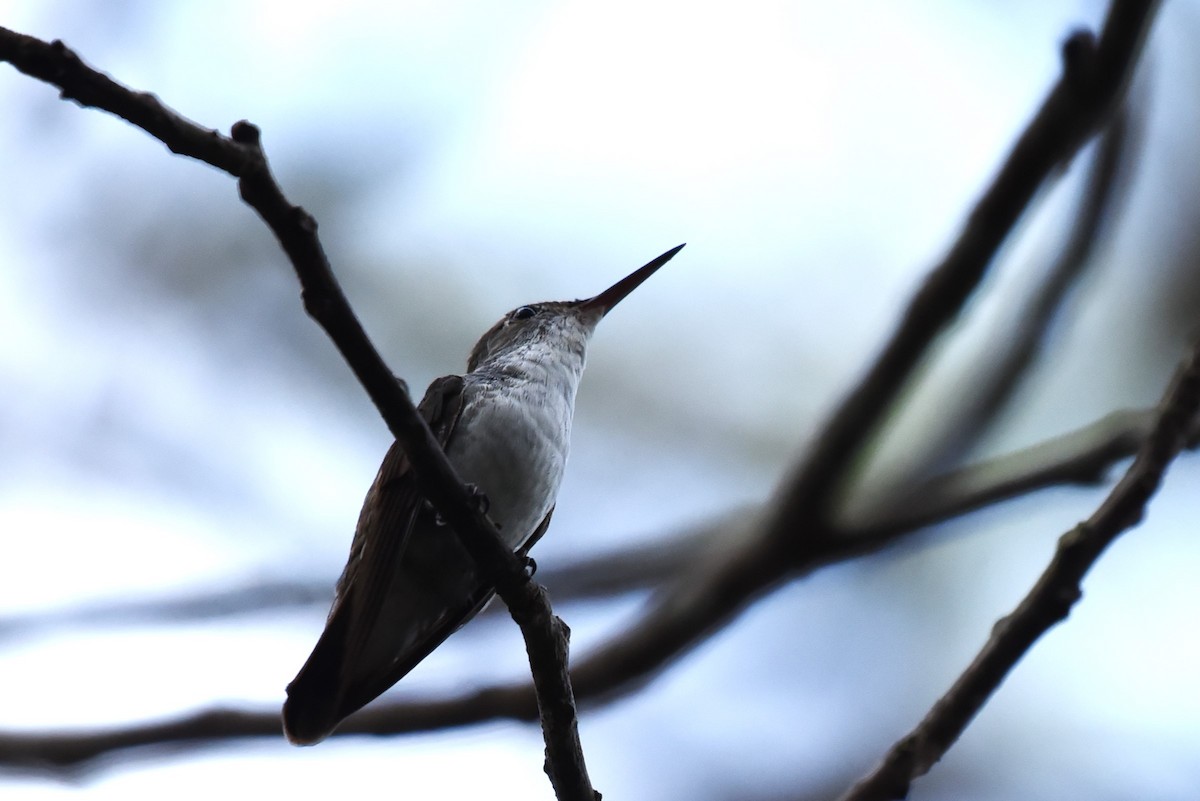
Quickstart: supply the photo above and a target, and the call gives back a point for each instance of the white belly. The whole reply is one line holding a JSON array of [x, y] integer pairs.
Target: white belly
[[512, 442]]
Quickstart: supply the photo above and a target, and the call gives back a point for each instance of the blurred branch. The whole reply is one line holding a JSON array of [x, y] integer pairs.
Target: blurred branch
[[639, 567], [248, 598], [1050, 601], [1082, 458], [242, 156], [995, 377], [1092, 83], [795, 536], [32, 752]]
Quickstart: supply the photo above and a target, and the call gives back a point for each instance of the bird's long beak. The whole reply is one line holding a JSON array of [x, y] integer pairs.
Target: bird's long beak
[[610, 297]]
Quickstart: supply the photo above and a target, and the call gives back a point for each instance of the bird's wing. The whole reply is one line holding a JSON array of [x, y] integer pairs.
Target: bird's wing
[[393, 605]]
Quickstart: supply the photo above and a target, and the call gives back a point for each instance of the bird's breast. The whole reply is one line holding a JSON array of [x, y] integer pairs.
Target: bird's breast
[[512, 441]]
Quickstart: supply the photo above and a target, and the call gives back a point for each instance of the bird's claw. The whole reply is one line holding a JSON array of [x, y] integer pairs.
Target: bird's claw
[[479, 503], [530, 568], [479, 499]]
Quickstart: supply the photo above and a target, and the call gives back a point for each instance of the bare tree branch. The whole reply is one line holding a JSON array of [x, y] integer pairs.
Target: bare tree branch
[[795, 537], [1050, 601], [242, 156], [994, 378], [199, 605], [641, 566], [1082, 457], [1094, 77], [53, 752]]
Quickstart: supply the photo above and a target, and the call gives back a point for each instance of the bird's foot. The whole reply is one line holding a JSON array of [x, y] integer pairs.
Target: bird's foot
[[478, 500]]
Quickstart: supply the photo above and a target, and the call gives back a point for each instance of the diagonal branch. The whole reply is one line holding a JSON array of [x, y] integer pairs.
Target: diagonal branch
[[794, 538], [994, 378], [1050, 601], [1095, 73], [242, 156]]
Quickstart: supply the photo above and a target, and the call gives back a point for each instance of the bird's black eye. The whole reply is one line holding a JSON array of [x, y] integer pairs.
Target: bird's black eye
[[524, 313]]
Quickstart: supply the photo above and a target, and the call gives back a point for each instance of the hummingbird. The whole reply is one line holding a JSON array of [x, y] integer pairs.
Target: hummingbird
[[409, 584]]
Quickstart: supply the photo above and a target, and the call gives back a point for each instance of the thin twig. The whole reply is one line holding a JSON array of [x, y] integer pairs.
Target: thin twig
[[1093, 79], [976, 399], [1082, 457], [1050, 601], [242, 156]]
